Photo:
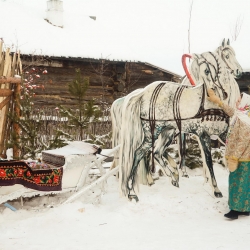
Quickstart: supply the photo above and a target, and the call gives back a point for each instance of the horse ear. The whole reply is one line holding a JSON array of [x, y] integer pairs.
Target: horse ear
[[223, 43], [228, 42]]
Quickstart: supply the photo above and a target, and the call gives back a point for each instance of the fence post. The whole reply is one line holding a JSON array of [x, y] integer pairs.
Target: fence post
[[17, 93]]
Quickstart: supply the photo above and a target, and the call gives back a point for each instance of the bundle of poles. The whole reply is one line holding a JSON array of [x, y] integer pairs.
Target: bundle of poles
[[10, 87]]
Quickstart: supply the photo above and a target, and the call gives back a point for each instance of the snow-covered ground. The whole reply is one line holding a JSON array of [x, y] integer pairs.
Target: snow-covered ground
[[166, 217]]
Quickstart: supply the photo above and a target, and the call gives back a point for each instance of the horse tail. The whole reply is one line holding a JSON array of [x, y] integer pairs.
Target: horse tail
[[116, 119], [131, 137]]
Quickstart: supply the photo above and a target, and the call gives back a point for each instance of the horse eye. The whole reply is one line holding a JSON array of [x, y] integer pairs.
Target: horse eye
[[207, 71], [227, 56]]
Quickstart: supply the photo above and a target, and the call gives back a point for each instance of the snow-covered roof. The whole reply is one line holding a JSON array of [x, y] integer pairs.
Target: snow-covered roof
[[125, 30], [164, 70], [25, 28]]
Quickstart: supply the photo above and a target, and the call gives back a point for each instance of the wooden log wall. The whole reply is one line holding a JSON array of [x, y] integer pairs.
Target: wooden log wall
[[109, 80], [244, 82]]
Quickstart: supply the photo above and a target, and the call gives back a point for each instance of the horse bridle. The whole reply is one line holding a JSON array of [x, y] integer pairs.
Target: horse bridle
[[212, 112], [217, 72], [222, 57], [205, 61]]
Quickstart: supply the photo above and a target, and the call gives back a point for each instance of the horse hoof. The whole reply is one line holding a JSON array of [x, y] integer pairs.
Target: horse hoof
[[176, 177], [185, 175], [175, 183], [218, 194], [133, 196]]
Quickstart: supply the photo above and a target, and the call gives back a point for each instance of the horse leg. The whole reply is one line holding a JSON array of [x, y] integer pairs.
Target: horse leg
[[138, 155], [182, 153], [150, 179], [165, 139], [205, 142], [174, 173], [223, 136]]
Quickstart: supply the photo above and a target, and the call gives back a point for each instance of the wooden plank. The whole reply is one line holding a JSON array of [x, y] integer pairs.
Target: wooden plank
[[14, 62], [14, 80], [7, 61], [16, 127], [9, 67], [4, 102], [5, 92], [1, 58], [100, 87], [1, 48]]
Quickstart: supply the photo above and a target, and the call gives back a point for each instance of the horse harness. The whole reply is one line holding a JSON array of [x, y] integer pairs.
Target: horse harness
[[204, 114]]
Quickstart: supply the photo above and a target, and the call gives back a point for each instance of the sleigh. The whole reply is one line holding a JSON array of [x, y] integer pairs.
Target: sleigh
[[62, 170]]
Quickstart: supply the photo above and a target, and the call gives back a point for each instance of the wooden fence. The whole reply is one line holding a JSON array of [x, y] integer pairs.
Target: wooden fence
[[49, 121], [10, 66]]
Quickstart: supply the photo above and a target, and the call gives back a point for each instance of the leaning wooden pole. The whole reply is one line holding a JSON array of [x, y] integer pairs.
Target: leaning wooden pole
[[9, 94], [5, 101], [16, 127]]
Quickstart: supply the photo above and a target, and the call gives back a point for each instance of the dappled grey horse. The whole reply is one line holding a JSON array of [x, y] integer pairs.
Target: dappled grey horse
[[155, 114], [227, 54]]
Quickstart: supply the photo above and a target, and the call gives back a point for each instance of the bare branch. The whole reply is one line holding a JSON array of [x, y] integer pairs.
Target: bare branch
[[189, 25], [235, 30]]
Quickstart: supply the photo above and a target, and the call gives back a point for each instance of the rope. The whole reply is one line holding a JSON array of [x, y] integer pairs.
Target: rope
[[152, 120], [177, 115]]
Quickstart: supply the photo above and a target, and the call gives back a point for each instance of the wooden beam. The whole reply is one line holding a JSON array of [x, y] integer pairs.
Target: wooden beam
[[16, 127], [14, 80], [100, 87], [5, 92], [4, 102]]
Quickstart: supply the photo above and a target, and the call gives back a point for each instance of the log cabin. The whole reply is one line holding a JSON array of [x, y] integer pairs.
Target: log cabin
[[108, 80], [244, 81]]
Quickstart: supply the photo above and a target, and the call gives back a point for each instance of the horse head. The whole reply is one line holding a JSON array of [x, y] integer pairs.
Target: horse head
[[227, 54], [208, 68]]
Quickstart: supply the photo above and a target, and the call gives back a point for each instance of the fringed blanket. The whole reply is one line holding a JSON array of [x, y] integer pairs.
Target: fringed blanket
[[19, 172]]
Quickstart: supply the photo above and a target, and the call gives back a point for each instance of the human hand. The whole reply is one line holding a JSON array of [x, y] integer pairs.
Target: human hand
[[232, 164], [212, 97]]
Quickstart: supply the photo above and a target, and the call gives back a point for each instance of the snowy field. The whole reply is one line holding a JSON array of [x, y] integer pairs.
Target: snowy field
[[165, 217]]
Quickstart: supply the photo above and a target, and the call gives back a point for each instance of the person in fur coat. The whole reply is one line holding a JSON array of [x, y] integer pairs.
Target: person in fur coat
[[237, 154]]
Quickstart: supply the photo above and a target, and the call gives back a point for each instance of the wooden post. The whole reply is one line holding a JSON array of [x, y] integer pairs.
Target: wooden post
[[7, 93], [17, 130], [4, 110]]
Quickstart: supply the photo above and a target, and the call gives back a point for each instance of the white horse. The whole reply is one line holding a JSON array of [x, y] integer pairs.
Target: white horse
[[159, 111], [227, 54]]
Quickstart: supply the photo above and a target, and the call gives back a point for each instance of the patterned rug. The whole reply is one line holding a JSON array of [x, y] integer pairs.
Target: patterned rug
[[19, 172]]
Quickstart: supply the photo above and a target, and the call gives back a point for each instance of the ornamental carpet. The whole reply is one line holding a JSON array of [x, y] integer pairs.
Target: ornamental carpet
[[19, 172]]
